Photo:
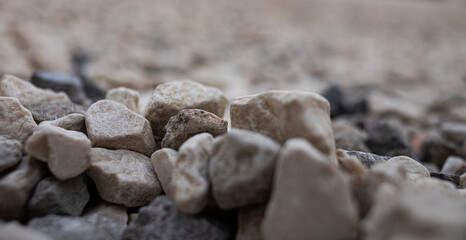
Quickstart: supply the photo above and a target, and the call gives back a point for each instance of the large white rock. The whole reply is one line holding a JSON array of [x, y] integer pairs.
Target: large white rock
[[164, 162], [16, 122]]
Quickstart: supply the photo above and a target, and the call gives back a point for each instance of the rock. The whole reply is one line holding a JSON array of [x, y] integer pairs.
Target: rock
[[349, 137], [123, 177], [125, 96], [171, 97], [367, 159], [241, 168], [27, 93], [250, 222], [74, 122], [452, 178], [189, 122], [190, 184], [52, 111], [346, 100], [454, 165], [454, 131], [320, 207], [162, 220], [16, 122], [113, 215], [67, 153], [16, 231], [463, 181], [11, 151], [414, 169], [52, 196], [60, 82], [350, 164], [17, 185], [281, 115], [436, 150], [334, 96], [164, 162], [112, 125]]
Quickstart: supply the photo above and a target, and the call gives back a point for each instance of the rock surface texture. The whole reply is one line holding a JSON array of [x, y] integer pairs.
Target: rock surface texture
[[125, 96], [60, 82], [164, 162], [16, 122], [11, 151]]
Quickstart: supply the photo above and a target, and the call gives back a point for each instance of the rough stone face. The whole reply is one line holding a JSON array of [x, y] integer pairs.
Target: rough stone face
[[241, 168], [52, 111], [112, 125], [67, 153], [367, 159], [162, 220], [16, 122], [414, 169], [190, 185], [286, 114], [10, 153], [310, 199], [114, 216], [74, 122], [164, 162], [52, 196], [123, 176], [169, 98], [250, 222], [454, 165], [189, 122], [348, 137], [69, 84], [125, 96], [17, 186], [16, 231]]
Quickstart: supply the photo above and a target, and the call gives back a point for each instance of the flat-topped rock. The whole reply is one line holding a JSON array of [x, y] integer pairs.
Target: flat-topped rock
[[16, 122], [164, 162], [125, 96], [74, 122], [11, 151], [60, 82]]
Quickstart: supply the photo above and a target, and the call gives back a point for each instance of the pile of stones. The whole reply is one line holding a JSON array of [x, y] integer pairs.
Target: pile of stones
[[74, 167]]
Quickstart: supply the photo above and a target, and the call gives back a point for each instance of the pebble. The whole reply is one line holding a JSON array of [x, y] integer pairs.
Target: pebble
[[162, 220], [190, 184], [454, 131], [16, 122], [350, 164], [74, 122], [11, 151], [164, 162], [123, 176], [15, 231], [367, 159], [250, 222], [189, 122], [115, 217], [346, 100], [454, 165], [66, 152], [112, 125], [52, 196], [17, 185], [310, 199], [349, 137], [58, 82], [436, 150], [52, 111], [281, 115], [414, 169], [241, 168], [170, 98], [125, 96]]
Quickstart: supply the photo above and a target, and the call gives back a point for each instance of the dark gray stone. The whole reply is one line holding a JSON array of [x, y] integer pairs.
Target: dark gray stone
[[69, 84], [368, 159], [10, 153], [52, 111]]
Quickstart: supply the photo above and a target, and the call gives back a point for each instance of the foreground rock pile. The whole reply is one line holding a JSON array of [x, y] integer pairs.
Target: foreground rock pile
[[85, 169]]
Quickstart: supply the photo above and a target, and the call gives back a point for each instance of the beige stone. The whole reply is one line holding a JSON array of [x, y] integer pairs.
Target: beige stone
[[124, 177], [169, 98], [250, 222], [189, 122], [112, 125], [164, 162], [74, 122], [350, 164], [16, 231], [414, 169], [16, 122], [286, 114], [11, 151], [241, 168], [310, 198], [125, 96], [52, 111], [190, 183]]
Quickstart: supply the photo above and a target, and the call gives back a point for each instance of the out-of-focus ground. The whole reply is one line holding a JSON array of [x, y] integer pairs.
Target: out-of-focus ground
[[414, 48]]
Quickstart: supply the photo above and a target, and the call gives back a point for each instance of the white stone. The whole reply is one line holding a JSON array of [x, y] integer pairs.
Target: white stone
[[125, 96], [414, 169], [16, 122], [454, 165], [164, 162]]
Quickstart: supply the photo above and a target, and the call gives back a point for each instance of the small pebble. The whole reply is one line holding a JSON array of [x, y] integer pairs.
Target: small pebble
[[125, 96], [11, 151], [15, 231], [164, 162], [454, 165], [414, 169], [74, 122], [16, 122], [52, 111], [58, 82]]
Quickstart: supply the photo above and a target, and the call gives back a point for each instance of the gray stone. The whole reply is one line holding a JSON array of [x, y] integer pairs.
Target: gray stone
[[164, 162], [454, 165], [114, 215], [125, 96], [16, 231], [367, 159], [454, 131], [463, 181], [11, 151], [348, 137], [250, 222], [16, 122], [74, 122], [69, 84], [54, 110]]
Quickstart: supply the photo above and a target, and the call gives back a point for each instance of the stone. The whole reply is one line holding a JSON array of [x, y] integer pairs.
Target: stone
[[74, 122], [52, 111], [454, 165], [67, 153], [164, 162], [52, 196], [190, 184], [350, 164], [113, 215], [463, 181], [162, 220], [310, 197], [27, 93], [241, 168], [11, 151], [250, 222], [436, 150], [281, 115], [60, 82], [16, 231], [123, 177], [454, 131], [18, 185], [452, 178], [414, 169], [112, 125], [16, 122], [171, 97], [189, 122], [346, 100], [367, 159], [349, 137], [125, 96], [334, 96]]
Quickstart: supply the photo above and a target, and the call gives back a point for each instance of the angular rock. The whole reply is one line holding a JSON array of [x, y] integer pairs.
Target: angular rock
[[454, 165], [414, 169], [112, 125], [250, 222], [349, 137], [74, 122], [123, 176], [164, 162], [169, 98], [125, 96], [66, 152], [367, 159], [17, 186], [52, 111], [113, 215], [286, 114], [162, 220], [189, 122], [190, 184], [16, 231], [60, 82], [241, 168], [310, 199], [11, 151], [16, 122], [52, 196]]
